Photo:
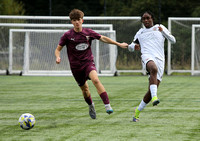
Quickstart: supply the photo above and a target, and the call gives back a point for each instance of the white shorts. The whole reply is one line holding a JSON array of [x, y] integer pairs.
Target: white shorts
[[159, 63]]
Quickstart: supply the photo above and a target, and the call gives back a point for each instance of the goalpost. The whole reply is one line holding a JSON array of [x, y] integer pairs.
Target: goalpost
[[183, 57], [17, 61], [195, 49], [68, 26], [38, 46]]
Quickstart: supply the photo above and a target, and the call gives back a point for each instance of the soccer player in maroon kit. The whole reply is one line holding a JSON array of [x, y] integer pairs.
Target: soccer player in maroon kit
[[78, 41]]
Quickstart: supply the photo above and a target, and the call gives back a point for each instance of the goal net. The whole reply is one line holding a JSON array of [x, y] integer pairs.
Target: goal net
[[195, 49], [38, 47], [182, 57], [125, 28]]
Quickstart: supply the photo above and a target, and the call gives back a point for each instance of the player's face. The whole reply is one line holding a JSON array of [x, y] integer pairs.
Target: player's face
[[147, 20], [77, 23]]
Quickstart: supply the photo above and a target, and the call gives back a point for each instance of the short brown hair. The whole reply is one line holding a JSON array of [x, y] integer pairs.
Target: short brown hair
[[76, 14]]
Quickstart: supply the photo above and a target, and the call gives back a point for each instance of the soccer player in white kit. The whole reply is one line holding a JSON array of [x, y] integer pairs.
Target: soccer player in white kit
[[150, 40]]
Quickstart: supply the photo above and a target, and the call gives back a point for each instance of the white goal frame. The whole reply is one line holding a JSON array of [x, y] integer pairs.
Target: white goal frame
[[109, 26], [27, 72], [193, 72], [169, 68]]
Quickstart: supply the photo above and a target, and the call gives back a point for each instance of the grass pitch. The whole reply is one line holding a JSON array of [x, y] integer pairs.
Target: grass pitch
[[62, 114]]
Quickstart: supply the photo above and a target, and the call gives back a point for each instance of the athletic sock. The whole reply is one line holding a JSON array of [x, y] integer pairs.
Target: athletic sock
[[142, 105], [104, 97], [107, 106], [153, 89], [88, 100]]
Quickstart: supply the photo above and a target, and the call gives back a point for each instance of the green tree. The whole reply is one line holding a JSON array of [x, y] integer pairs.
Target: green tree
[[196, 12], [169, 8], [11, 7], [61, 7]]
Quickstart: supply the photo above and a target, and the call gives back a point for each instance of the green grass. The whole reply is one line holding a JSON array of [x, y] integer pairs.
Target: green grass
[[62, 114]]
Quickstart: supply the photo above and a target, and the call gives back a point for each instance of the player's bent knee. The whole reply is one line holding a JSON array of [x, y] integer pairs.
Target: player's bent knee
[[154, 70], [96, 81]]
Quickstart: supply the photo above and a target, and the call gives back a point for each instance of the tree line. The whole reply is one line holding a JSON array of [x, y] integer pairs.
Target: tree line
[[169, 8]]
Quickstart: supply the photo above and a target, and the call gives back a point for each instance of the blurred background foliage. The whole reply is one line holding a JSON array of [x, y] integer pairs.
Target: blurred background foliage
[[169, 8]]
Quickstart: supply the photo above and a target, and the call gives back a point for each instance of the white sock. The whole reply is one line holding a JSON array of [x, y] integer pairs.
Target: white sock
[[142, 105], [153, 89], [107, 105]]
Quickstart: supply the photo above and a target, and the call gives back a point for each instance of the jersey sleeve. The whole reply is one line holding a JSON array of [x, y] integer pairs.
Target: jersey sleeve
[[63, 40], [131, 47], [94, 34], [168, 35]]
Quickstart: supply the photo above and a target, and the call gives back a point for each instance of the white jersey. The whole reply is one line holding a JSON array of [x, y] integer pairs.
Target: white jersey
[[151, 41]]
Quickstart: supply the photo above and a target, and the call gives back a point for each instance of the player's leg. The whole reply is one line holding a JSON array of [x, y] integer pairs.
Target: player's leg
[[147, 98], [153, 70], [88, 100], [141, 106], [154, 79], [81, 79], [101, 90], [86, 93]]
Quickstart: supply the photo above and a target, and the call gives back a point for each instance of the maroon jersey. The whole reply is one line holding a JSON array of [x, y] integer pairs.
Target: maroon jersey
[[79, 46]]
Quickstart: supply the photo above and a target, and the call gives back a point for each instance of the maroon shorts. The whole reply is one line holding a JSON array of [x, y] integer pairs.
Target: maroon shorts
[[81, 75]]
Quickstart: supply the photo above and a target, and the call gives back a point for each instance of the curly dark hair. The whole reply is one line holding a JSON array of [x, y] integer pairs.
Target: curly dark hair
[[148, 12]]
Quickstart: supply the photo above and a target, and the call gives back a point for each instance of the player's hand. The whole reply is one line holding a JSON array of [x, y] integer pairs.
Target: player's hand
[[160, 28], [123, 45], [58, 60], [137, 47]]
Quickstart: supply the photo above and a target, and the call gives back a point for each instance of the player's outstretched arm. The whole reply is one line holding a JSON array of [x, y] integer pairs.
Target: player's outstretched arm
[[57, 54], [110, 41]]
